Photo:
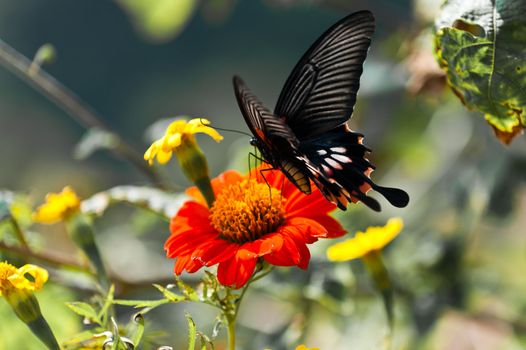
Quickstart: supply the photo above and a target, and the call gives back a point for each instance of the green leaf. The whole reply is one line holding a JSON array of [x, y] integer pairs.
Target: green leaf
[[480, 45], [158, 201], [85, 310], [189, 292], [192, 331], [169, 295], [141, 303], [138, 319]]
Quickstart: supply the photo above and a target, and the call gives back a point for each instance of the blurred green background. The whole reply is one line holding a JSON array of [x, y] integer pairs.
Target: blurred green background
[[458, 265]]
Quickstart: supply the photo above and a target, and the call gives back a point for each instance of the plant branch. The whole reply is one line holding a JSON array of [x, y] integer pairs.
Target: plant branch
[[52, 259], [70, 103]]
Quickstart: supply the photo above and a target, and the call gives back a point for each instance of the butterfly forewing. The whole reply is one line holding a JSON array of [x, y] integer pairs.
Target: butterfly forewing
[[320, 93], [260, 120]]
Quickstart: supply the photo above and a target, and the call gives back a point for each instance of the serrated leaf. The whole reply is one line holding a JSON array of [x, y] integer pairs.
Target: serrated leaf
[[93, 140], [480, 45], [169, 295], [156, 200], [141, 303], [85, 310], [192, 331], [189, 292]]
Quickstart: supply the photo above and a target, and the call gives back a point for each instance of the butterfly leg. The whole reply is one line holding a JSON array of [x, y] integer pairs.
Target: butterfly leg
[[256, 158]]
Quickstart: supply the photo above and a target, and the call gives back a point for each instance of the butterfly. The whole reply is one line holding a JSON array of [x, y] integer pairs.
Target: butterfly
[[307, 136]]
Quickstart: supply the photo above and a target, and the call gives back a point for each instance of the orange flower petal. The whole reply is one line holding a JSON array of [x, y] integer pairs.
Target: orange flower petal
[[333, 227], [186, 263], [235, 272], [191, 214], [263, 246], [308, 205], [214, 251]]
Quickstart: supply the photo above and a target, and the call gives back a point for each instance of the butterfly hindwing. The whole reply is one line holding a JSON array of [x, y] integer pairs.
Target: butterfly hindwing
[[340, 156], [320, 93]]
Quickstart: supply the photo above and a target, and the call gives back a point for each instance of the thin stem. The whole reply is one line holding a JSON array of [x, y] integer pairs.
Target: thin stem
[[51, 259], [19, 233], [70, 103], [231, 333]]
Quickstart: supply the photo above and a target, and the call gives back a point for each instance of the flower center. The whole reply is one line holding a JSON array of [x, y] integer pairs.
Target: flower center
[[246, 211]]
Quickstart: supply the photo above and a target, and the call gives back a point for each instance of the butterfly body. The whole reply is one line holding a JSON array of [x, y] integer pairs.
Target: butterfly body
[[307, 136]]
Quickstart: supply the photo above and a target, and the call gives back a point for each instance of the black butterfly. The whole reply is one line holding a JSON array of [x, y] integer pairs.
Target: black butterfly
[[307, 136]]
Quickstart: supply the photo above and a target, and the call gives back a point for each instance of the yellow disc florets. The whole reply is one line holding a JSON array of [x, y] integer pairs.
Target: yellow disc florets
[[246, 211]]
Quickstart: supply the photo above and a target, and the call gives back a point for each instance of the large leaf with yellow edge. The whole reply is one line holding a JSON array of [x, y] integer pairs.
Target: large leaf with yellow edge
[[481, 44]]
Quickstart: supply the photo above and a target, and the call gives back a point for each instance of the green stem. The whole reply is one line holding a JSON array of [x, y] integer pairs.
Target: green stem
[[231, 333], [19, 233], [205, 187], [231, 317], [374, 263], [70, 103], [41, 329], [48, 258]]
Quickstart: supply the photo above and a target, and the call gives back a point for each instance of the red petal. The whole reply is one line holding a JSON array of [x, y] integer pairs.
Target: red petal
[[311, 205], [288, 255], [333, 227], [191, 215], [263, 246], [235, 272], [306, 228], [186, 263], [214, 252], [186, 242]]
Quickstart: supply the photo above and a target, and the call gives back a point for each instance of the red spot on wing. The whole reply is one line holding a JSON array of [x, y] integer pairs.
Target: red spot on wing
[[261, 134]]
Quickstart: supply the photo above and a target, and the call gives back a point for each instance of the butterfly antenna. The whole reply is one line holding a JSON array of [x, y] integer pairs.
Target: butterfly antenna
[[224, 129]]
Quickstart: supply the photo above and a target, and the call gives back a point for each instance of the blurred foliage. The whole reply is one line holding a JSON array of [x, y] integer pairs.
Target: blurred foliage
[[159, 20], [457, 268], [480, 45]]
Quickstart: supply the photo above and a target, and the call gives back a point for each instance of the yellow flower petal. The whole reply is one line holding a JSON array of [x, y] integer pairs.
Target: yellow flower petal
[[163, 157], [6, 270], [57, 206], [178, 134], [373, 239], [304, 347], [172, 141], [29, 277]]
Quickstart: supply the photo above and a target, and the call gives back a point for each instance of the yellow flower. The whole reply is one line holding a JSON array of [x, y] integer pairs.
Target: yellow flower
[[178, 133], [303, 347], [373, 239], [58, 206], [27, 278]]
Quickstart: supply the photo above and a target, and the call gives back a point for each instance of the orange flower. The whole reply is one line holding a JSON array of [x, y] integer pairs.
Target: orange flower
[[249, 220]]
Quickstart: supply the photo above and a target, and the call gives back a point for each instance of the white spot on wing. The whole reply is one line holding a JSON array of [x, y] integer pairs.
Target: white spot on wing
[[326, 169], [333, 163], [342, 158], [338, 149], [322, 152]]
